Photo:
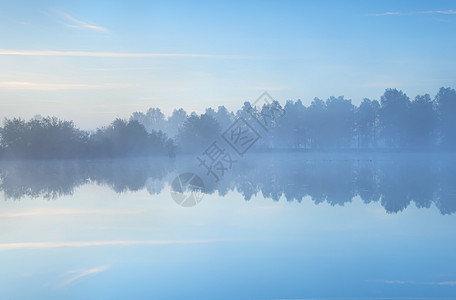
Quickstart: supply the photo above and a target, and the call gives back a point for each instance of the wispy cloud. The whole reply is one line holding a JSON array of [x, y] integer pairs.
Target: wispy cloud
[[395, 281], [25, 85], [440, 12], [50, 245], [110, 54], [395, 13], [76, 23], [388, 13], [442, 283], [78, 274], [401, 282]]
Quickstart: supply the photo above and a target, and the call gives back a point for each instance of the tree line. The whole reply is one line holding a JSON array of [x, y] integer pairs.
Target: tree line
[[394, 122], [52, 138]]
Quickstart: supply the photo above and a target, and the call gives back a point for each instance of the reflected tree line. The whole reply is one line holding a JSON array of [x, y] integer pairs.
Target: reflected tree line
[[394, 122], [57, 178], [393, 180]]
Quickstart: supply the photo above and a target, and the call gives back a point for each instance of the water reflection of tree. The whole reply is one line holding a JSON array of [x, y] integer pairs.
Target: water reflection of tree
[[395, 181], [53, 179]]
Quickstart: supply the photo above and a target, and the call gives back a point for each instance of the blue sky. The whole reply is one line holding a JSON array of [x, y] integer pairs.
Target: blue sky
[[94, 61]]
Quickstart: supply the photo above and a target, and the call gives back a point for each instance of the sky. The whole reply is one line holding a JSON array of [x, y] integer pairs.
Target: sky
[[94, 61]]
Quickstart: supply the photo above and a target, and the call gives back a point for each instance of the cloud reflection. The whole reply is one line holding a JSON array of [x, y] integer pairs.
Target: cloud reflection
[[54, 212], [78, 274]]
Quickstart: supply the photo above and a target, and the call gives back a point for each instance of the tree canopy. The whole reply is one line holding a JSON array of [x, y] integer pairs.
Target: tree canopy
[[394, 122]]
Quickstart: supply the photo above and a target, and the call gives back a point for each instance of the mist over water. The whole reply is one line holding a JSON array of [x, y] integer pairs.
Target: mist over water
[[396, 180]]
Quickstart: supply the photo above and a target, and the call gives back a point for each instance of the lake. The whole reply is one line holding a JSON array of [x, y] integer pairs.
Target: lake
[[274, 226]]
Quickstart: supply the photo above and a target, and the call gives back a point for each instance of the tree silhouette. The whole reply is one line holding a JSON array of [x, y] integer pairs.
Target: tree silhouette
[[422, 122], [175, 121], [123, 138], [154, 119], [367, 123], [51, 138], [446, 108], [340, 115], [394, 117], [197, 133], [317, 124], [42, 138], [292, 130]]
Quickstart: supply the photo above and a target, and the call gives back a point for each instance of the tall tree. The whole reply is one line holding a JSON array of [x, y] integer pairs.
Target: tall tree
[[175, 121], [394, 117], [154, 119], [366, 123], [446, 108], [224, 117], [340, 114], [317, 124], [198, 132], [422, 122], [292, 132]]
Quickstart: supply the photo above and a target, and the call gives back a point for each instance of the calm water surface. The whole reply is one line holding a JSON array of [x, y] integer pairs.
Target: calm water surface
[[275, 226]]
